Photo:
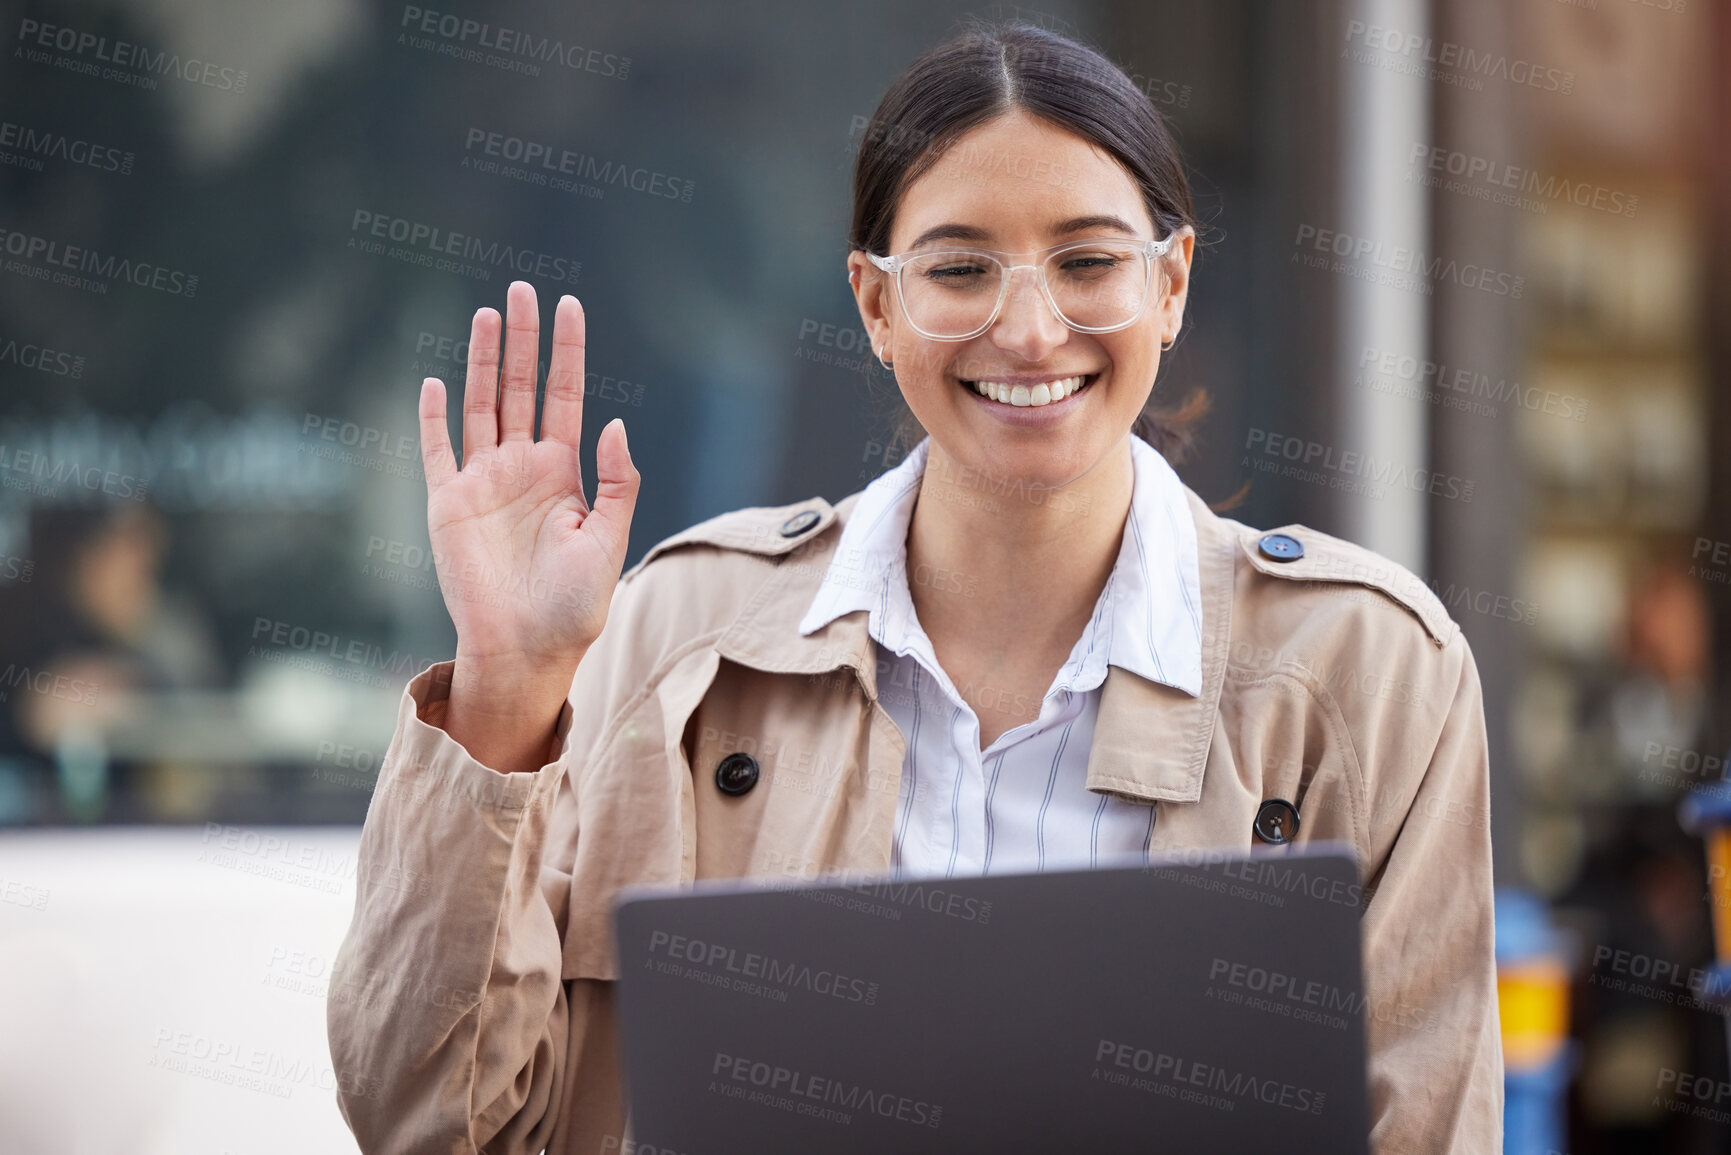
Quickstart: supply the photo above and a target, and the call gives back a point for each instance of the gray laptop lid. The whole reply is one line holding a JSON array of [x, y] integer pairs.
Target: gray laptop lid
[[1191, 1005]]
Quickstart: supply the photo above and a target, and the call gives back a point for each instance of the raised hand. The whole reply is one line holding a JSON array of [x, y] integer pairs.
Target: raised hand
[[526, 564]]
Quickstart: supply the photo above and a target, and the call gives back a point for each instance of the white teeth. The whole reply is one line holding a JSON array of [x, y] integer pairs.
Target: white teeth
[[1021, 395]]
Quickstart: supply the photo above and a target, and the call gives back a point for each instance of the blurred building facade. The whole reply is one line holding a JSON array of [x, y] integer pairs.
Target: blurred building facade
[[1487, 244]]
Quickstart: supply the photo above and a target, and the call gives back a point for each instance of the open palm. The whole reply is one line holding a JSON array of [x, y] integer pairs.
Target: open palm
[[526, 565]]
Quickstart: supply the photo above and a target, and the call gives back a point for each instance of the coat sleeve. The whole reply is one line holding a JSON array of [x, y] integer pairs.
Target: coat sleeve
[[447, 1016], [1436, 1063]]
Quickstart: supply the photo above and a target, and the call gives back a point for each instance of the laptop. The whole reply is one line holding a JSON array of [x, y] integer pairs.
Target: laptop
[[1205, 1001]]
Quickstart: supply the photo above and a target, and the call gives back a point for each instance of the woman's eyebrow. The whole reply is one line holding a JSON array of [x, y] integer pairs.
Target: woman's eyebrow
[[953, 231], [1095, 222]]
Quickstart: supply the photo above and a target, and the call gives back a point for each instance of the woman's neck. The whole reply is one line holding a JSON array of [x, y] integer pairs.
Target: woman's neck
[[999, 569]]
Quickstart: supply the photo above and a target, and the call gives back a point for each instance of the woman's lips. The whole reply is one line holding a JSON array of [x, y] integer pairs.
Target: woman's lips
[[1023, 394]]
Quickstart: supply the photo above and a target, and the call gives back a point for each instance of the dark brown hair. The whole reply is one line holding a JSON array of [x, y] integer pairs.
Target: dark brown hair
[[989, 71]]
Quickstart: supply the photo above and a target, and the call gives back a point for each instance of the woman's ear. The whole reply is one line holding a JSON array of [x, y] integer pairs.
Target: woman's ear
[[1174, 269], [871, 294]]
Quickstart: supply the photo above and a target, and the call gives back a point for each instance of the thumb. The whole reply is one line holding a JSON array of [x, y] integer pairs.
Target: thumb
[[616, 484]]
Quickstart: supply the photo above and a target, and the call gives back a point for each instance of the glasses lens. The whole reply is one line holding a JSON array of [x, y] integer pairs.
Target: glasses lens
[[1096, 286], [950, 294]]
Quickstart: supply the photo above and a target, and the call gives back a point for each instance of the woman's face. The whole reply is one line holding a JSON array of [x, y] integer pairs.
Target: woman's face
[[1014, 184]]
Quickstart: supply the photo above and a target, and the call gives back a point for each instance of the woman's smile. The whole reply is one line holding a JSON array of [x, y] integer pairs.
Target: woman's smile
[[1030, 400], [1023, 391]]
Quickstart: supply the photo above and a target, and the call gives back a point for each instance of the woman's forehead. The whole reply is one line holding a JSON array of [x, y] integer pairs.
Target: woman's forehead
[[1010, 204], [1020, 173]]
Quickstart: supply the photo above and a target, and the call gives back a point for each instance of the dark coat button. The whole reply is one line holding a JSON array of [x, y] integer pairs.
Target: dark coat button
[[1276, 821], [1280, 547], [736, 774], [800, 522]]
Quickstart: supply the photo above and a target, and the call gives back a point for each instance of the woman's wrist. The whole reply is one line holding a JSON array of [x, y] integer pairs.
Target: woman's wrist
[[504, 713]]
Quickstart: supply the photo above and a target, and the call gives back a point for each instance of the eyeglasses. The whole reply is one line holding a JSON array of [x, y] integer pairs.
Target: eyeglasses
[[1094, 286]]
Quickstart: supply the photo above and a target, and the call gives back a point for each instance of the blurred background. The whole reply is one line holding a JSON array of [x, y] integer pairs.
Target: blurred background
[[1483, 242]]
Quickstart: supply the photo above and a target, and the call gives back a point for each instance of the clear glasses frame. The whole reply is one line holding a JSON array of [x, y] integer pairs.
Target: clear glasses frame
[[895, 264]]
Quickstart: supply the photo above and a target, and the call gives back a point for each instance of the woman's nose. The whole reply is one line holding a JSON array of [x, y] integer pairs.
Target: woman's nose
[[1026, 325]]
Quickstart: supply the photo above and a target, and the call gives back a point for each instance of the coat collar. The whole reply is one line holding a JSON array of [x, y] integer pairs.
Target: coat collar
[[1147, 619], [1150, 741]]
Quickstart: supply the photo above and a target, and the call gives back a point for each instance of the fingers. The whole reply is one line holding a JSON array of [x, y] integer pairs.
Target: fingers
[[616, 485], [562, 415], [522, 354], [436, 457], [480, 418]]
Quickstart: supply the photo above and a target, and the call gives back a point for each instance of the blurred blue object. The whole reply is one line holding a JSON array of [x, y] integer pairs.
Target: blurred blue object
[[1532, 994], [1706, 811]]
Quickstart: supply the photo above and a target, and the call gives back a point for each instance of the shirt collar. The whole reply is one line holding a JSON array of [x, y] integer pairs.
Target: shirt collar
[[1148, 619]]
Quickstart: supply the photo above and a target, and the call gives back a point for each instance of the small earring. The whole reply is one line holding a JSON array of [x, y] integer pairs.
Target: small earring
[[1165, 345], [881, 361]]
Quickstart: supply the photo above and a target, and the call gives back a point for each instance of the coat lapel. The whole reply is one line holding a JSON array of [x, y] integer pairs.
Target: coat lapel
[[1150, 740], [765, 635]]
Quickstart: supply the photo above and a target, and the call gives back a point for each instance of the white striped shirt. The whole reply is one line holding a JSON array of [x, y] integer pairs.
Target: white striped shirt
[[1021, 803]]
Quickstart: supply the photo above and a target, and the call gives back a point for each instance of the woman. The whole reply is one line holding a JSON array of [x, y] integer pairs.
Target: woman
[[1025, 646]]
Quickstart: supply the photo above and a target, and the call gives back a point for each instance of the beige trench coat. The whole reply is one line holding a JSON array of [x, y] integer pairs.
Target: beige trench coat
[[471, 1005]]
